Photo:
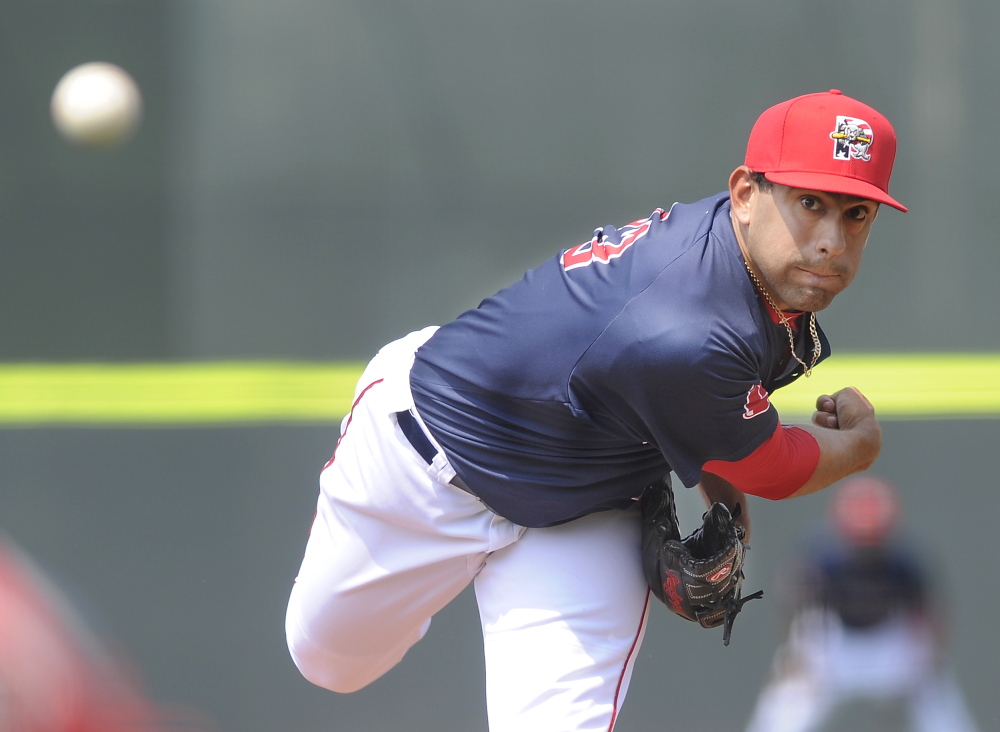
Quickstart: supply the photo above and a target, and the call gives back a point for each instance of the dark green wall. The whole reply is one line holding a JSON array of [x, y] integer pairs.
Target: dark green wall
[[315, 178], [84, 243]]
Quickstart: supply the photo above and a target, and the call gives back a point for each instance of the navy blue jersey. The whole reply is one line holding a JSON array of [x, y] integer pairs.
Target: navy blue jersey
[[863, 585], [644, 350], [867, 586]]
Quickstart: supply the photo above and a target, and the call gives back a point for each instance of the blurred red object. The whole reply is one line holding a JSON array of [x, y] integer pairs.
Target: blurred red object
[[866, 510], [55, 673]]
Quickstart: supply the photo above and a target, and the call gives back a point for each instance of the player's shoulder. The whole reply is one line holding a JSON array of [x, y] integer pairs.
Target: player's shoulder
[[694, 219], [699, 233], [674, 229]]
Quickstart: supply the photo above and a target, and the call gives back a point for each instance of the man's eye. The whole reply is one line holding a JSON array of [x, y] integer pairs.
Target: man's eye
[[810, 203], [858, 213]]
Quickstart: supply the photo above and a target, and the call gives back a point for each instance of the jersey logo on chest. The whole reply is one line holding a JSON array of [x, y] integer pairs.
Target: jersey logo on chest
[[757, 401]]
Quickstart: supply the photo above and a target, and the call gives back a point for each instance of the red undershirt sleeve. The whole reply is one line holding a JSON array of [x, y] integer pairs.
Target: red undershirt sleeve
[[774, 470]]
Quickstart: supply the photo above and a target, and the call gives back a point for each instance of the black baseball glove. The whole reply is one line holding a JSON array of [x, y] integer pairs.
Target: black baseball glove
[[699, 577]]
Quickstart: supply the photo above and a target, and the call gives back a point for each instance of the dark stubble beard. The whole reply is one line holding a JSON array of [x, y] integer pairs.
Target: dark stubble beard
[[797, 296]]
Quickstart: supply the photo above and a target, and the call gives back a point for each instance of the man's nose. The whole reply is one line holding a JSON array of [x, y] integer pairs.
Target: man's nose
[[832, 236]]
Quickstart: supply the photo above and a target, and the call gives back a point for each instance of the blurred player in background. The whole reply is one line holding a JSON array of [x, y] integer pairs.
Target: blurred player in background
[[55, 674], [865, 627]]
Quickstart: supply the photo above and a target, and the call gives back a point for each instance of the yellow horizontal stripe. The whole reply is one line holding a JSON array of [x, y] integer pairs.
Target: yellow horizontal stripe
[[904, 386], [182, 393], [901, 386]]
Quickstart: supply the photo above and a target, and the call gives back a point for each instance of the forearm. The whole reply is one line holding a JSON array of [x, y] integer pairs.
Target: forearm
[[844, 438], [718, 490], [842, 453]]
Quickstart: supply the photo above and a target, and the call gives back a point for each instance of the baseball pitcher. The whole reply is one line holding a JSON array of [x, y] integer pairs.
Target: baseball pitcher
[[526, 446]]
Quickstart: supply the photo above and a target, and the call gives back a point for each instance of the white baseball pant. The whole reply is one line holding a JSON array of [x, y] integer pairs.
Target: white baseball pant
[[563, 609]]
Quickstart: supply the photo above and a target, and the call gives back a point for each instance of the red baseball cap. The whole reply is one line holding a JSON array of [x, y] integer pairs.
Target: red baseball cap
[[866, 510], [825, 142]]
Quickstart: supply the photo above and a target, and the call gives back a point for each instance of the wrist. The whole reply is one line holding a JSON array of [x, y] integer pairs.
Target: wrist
[[869, 443]]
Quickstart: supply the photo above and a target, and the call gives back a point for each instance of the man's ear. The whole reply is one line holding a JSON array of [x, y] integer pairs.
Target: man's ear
[[741, 192]]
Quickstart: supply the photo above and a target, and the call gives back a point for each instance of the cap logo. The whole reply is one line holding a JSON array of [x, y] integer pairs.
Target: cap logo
[[852, 139]]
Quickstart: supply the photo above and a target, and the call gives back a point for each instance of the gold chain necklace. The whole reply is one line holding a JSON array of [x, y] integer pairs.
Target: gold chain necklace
[[817, 347]]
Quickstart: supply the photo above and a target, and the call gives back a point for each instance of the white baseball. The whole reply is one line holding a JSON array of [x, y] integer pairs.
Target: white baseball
[[97, 105]]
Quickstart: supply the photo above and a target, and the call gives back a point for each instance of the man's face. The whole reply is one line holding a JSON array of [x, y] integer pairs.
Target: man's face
[[806, 245]]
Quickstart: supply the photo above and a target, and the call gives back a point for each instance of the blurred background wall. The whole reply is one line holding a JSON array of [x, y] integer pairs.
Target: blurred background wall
[[316, 177]]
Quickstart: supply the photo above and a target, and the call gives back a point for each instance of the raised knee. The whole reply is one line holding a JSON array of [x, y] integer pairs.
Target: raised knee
[[320, 668], [342, 657], [331, 680]]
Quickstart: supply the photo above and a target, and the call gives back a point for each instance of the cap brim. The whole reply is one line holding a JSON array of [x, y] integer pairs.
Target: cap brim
[[833, 184]]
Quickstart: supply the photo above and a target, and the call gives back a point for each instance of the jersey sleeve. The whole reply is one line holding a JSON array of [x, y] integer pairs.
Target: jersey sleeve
[[776, 469], [696, 396]]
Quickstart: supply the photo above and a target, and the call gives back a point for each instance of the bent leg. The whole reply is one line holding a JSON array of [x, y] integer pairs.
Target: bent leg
[[563, 613], [352, 616], [803, 691], [791, 704], [939, 704], [389, 547]]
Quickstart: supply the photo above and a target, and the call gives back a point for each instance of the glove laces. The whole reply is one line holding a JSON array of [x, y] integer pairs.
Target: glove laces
[[733, 606]]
